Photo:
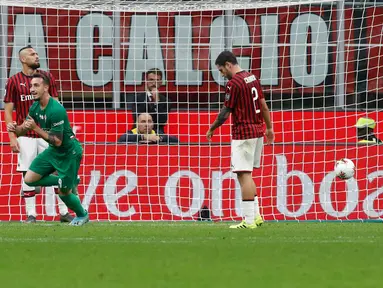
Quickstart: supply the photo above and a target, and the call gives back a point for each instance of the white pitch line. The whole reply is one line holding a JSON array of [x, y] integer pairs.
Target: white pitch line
[[159, 240]]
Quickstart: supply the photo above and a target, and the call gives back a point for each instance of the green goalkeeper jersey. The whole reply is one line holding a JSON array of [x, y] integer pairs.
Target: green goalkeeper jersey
[[54, 118]]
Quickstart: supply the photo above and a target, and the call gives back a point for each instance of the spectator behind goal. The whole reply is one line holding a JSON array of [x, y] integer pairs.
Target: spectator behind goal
[[152, 102], [365, 128], [144, 133]]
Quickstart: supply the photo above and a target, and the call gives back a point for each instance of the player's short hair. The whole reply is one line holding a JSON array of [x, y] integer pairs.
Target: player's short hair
[[155, 71], [226, 56], [45, 78], [25, 47]]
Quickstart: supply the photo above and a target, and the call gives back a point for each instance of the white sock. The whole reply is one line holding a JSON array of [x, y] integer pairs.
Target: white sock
[[30, 206], [248, 211], [256, 207], [63, 210]]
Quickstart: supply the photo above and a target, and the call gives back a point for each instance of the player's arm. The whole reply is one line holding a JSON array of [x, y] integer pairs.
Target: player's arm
[[230, 102], [18, 130], [55, 134], [21, 130], [52, 137], [266, 116], [8, 110], [221, 118], [10, 99], [266, 113], [14, 131]]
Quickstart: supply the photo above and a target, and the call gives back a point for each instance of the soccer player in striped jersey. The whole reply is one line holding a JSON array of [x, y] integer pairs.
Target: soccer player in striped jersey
[[18, 97], [245, 101]]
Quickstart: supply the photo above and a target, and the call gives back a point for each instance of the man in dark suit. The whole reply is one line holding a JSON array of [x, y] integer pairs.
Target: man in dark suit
[[152, 102]]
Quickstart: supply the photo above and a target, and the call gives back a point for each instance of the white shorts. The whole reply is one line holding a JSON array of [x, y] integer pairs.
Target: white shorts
[[29, 149], [246, 154]]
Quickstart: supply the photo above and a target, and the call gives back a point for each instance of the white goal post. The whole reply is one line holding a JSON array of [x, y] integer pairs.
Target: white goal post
[[320, 66]]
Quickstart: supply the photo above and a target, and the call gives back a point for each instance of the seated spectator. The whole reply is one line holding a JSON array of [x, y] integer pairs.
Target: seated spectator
[[144, 133], [365, 127], [152, 102]]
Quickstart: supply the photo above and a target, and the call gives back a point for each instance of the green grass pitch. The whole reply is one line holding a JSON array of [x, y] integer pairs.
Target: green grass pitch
[[157, 254]]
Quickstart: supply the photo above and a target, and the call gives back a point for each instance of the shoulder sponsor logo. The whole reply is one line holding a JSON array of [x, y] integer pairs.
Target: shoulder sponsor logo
[[58, 123], [250, 79]]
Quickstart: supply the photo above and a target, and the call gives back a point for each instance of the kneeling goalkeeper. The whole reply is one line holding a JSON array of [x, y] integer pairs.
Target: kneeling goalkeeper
[[64, 153]]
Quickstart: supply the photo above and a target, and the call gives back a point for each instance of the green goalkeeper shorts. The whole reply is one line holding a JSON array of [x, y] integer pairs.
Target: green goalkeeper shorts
[[67, 166]]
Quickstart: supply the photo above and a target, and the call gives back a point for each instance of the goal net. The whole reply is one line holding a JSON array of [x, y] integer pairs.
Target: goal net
[[320, 64]]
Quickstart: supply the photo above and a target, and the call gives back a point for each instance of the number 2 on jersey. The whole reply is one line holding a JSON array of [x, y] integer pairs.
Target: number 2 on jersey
[[254, 92]]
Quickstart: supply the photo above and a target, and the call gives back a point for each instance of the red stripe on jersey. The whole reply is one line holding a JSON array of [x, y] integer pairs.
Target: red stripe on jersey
[[17, 91], [243, 94]]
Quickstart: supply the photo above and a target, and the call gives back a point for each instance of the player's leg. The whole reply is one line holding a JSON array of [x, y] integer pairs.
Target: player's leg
[[63, 209], [28, 151], [247, 184], [257, 164], [65, 216], [28, 193], [68, 172], [39, 173], [242, 155]]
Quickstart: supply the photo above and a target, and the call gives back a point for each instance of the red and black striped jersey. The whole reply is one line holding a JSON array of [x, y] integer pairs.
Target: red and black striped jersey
[[17, 91], [243, 94]]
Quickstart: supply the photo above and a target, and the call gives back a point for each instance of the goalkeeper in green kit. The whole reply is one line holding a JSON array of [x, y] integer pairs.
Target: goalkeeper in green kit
[[49, 119]]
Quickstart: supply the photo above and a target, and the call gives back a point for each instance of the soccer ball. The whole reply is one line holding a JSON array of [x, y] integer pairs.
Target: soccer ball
[[344, 168]]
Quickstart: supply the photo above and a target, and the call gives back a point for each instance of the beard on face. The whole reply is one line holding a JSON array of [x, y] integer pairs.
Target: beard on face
[[35, 98], [34, 66], [153, 86]]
